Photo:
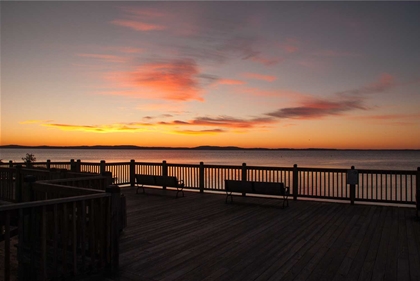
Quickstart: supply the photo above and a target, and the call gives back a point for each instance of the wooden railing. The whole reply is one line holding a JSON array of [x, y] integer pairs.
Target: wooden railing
[[65, 231], [373, 185]]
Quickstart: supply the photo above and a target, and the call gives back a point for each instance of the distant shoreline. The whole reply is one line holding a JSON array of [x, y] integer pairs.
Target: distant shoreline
[[126, 147]]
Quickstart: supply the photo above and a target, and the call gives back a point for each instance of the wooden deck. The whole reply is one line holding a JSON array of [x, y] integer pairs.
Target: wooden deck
[[199, 237]]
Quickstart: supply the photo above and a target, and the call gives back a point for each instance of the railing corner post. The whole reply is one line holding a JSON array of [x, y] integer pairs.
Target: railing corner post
[[201, 176], [115, 225], [132, 172], [295, 181], [28, 195]]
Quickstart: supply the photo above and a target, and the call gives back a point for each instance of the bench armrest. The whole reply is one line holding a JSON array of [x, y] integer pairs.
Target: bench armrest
[[181, 183]]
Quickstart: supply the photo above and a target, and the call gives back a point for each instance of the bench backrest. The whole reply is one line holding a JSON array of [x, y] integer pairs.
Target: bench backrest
[[145, 179], [269, 188], [238, 186], [166, 181]]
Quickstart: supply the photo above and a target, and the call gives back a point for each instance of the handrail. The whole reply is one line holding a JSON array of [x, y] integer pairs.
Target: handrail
[[49, 202], [305, 182]]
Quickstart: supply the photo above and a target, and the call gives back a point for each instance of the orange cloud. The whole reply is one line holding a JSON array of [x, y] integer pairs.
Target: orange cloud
[[170, 80], [257, 76], [34, 122], [200, 132], [216, 125], [138, 26], [95, 129], [224, 121], [231, 82]]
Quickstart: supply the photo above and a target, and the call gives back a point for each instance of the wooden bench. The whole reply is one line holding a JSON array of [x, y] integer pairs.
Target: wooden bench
[[255, 187], [164, 181]]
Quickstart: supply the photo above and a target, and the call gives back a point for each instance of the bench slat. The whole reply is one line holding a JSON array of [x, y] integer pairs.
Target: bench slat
[[269, 188], [238, 186]]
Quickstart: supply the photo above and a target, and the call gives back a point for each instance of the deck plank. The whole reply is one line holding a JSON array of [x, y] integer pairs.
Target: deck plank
[[199, 237]]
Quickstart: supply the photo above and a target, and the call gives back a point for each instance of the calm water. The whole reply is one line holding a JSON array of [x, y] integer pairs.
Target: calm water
[[392, 160]]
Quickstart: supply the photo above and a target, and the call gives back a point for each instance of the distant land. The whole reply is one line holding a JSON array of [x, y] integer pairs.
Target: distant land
[[204, 147]]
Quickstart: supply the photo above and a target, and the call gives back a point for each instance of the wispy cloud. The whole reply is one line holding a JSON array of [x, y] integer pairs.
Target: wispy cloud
[[200, 132], [220, 124], [317, 108], [230, 82], [290, 46], [139, 19], [34, 122], [335, 53], [102, 57], [95, 128], [225, 122], [257, 76], [383, 83], [138, 26], [338, 104]]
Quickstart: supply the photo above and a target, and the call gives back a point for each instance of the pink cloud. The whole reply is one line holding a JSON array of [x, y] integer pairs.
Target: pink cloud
[[257, 76], [138, 26], [290, 46], [169, 80], [317, 108], [383, 83], [266, 61]]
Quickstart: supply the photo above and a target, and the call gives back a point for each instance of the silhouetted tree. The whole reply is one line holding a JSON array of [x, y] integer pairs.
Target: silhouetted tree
[[29, 159]]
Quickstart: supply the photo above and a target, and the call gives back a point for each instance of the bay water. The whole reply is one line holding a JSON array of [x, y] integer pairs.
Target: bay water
[[361, 159]]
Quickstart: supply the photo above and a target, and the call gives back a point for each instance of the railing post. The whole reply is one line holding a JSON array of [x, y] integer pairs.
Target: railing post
[[132, 172], [115, 226], [295, 181], [418, 191], [201, 177], [18, 183], [10, 164], [164, 171], [102, 167], [72, 165], [28, 194], [244, 176], [48, 164], [78, 166], [352, 183]]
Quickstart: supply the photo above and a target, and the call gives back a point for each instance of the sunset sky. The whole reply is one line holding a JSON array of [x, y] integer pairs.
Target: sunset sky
[[184, 74]]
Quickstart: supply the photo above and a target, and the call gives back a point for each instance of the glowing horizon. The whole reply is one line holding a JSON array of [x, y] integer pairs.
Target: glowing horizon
[[186, 74]]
